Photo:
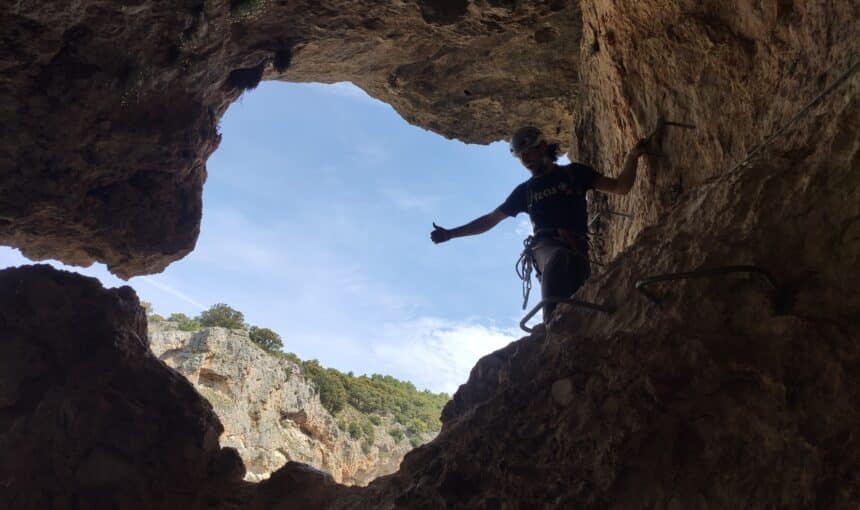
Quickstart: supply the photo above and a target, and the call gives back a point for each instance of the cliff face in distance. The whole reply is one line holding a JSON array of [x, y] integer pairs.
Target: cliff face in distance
[[726, 394], [272, 413]]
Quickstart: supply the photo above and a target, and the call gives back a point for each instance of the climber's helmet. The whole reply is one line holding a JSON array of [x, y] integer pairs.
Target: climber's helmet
[[525, 138]]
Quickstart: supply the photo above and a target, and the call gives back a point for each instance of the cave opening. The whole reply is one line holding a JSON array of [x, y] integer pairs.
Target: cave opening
[[712, 400], [317, 212]]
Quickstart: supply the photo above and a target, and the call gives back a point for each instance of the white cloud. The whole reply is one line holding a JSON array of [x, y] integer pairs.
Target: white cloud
[[371, 152], [231, 240], [523, 227], [409, 201], [435, 353], [348, 90]]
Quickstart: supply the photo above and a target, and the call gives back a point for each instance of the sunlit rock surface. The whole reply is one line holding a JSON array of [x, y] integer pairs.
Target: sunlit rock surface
[[724, 397], [738, 71], [270, 412]]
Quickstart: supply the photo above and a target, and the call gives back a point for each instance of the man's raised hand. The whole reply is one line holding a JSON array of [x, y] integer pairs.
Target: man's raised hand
[[439, 234]]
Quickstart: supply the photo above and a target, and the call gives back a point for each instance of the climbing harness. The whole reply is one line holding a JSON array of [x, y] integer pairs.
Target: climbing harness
[[718, 271], [526, 263], [702, 273]]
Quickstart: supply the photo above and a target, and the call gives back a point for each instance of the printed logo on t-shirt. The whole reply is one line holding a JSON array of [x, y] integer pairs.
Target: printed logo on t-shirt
[[562, 187]]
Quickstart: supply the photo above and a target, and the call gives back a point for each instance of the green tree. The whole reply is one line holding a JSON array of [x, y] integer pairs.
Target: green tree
[[354, 430], [265, 338], [222, 315], [368, 432], [184, 322], [332, 392], [191, 325], [179, 317]]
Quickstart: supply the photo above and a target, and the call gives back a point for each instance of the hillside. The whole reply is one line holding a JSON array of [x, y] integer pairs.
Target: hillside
[[271, 408]]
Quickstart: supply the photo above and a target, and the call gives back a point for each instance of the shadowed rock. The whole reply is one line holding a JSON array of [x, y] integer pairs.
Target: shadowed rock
[[89, 417], [718, 399], [112, 109]]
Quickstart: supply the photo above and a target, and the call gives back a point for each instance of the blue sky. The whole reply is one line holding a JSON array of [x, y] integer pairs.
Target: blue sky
[[316, 220]]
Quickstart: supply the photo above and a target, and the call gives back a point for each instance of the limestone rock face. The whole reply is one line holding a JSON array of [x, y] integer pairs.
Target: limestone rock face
[[738, 71], [270, 412]]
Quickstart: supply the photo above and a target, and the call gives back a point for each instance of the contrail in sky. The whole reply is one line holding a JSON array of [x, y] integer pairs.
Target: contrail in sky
[[170, 290]]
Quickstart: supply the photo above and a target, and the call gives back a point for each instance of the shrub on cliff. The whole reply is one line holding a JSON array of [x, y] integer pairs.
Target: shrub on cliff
[[287, 355], [178, 318], [191, 325], [222, 315], [418, 411], [265, 338], [184, 322], [354, 430], [328, 382], [382, 394], [368, 432], [150, 313]]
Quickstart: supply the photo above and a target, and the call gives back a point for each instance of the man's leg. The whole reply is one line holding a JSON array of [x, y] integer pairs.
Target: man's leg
[[562, 272]]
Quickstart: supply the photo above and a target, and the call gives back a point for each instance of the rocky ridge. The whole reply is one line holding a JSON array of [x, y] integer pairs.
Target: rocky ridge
[[271, 412]]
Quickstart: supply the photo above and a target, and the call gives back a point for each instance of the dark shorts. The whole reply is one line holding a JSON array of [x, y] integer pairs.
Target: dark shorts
[[562, 271]]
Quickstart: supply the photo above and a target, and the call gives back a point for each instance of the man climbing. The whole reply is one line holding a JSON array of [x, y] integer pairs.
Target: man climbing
[[554, 199]]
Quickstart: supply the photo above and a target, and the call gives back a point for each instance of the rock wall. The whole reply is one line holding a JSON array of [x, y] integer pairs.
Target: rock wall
[[724, 396], [89, 418], [737, 70], [270, 412]]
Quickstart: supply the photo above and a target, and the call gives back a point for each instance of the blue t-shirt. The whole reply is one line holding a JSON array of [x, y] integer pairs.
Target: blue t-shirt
[[555, 199]]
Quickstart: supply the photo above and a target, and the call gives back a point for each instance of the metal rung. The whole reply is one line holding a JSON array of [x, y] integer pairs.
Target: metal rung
[[598, 214], [608, 309], [640, 285]]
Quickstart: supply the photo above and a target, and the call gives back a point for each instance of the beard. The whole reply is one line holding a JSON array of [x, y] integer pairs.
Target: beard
[[539, 167]]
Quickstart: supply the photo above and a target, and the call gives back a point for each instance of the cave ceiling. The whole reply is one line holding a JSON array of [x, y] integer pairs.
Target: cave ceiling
[[111, 108]]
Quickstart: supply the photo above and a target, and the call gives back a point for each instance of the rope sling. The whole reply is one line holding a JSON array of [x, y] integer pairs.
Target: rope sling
[[524, 267]]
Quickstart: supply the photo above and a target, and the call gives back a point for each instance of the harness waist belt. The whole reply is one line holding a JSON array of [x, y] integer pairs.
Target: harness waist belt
[[577, 242]]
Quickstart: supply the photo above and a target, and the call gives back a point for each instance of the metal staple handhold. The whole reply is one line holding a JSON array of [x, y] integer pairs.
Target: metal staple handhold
[[717, 271], [598, 214], [609, 309]]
